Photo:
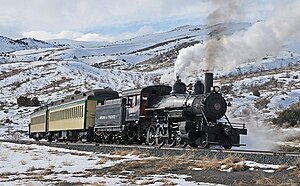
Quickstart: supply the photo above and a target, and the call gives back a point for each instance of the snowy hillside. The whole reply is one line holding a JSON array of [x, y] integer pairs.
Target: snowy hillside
[[10, 45], [52, 71]]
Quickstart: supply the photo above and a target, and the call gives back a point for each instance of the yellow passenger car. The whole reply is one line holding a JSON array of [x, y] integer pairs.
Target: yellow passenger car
[[38, 125], [77, 115], [70, 119]]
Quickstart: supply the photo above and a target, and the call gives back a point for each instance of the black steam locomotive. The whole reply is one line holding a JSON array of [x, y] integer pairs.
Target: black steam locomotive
[[154, 115]]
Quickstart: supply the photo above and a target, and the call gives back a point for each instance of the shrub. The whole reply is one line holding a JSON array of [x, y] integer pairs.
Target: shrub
[[27, 102], [289, 116], [256, 93], [77, 92], [227, 89]]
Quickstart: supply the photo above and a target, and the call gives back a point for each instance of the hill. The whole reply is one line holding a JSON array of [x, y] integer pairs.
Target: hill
[[8, 45]]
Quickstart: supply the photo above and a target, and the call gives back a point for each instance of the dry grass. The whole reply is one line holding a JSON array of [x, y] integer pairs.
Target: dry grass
[[233, 163], [296, 170], [98, 184], [166, 182], [91, 157], [295, 138], [288, 148], [36, 158], [78, 153], [120, 153], [22, 162], [231, 159], [239, 183], [35, 176], [20, 148], [145, 155], [51, 151], [283, 167], [47, 171], [31, 169], [150, 166], [135, 152], [102, 161], [67, 163], [147, 182], [271, 181], [3, 157], [7, 174], [212, 164]]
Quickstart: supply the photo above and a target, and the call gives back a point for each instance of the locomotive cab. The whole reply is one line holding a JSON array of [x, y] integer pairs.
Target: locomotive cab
[[138, 100]]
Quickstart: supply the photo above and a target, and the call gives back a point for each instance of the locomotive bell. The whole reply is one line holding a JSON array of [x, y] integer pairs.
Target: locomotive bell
[[179, 87]]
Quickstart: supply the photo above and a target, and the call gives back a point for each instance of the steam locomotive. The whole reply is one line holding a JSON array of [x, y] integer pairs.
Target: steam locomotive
[[155, 115]]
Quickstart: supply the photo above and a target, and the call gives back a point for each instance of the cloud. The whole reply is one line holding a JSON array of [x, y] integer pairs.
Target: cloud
[[78, 36], [57, 15], [66, 34], [90, 17]]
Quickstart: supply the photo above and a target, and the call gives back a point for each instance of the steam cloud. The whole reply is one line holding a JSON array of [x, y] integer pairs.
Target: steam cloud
[[225, 53], [260, 136]]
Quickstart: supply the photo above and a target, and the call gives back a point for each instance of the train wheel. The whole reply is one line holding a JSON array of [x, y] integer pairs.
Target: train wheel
[[171, 141], [108, 138], [49, 137], [193, 144], [203, 141], [180, 143], [131, 137], [227, 146], [151, 136], [160, 140]]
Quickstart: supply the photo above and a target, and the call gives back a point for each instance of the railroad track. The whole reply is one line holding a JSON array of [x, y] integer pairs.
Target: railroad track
[[265, 157]]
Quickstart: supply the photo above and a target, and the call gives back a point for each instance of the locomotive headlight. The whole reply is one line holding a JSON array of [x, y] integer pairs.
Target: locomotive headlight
[[216, 89]]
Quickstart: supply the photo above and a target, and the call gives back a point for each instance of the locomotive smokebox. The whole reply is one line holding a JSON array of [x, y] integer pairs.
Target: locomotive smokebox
[[208, 82]]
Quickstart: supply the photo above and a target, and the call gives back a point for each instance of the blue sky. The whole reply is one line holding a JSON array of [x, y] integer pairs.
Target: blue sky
[[110, 20]]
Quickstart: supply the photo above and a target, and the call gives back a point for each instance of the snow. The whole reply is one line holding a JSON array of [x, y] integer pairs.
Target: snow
[[40, 165]]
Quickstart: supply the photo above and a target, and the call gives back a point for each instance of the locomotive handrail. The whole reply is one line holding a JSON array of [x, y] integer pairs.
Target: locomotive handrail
[[243, 125], [239, 124], [204, 115], [228, 121]]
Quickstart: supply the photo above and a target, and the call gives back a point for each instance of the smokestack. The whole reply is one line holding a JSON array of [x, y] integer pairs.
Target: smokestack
[[208, 82]]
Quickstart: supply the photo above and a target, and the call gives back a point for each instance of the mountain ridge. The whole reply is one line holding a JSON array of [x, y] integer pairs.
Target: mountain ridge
[[8, 45]]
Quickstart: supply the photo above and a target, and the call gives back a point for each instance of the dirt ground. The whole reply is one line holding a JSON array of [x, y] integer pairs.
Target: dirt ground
[[282, 177]]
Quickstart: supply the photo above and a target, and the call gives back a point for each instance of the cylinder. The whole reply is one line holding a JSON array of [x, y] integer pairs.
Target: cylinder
[[208, 82]]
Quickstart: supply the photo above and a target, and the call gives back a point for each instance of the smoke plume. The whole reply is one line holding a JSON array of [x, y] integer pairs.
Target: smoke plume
[[225, 53], [260, 136], [225, 12]]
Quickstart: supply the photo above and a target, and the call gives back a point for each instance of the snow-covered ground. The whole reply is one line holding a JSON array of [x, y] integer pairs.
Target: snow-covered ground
[[42, 165]]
